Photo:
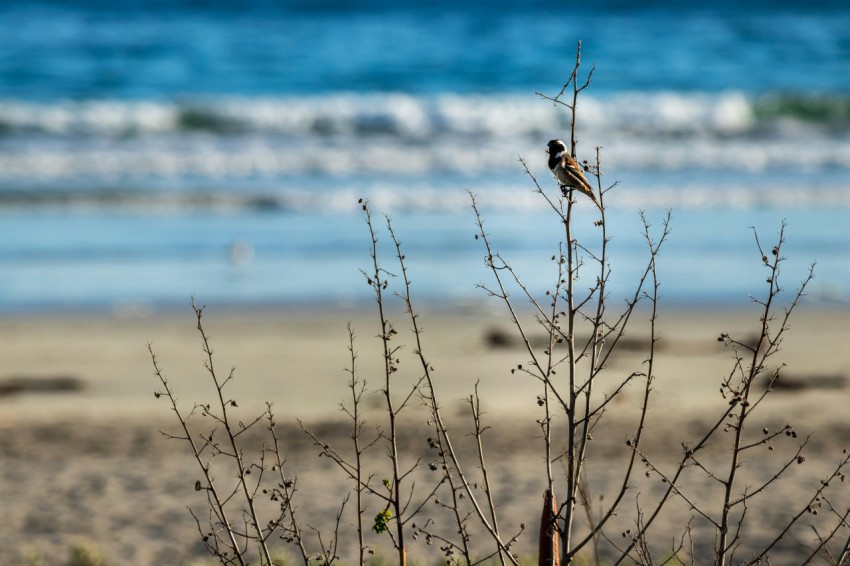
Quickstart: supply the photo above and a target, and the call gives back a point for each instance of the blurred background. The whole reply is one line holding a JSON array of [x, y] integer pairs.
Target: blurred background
[[154, 149]]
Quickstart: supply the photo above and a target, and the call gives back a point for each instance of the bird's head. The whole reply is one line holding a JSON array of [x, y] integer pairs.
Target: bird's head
[[556, 146]]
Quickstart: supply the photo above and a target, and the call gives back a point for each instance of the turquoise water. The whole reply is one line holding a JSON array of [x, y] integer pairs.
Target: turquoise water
[[150, 151]]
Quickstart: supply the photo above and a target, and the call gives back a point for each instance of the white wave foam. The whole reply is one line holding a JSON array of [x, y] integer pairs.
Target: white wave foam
[[707, 144], [202, 157], [103, 118], [670, 113], [398, 115]]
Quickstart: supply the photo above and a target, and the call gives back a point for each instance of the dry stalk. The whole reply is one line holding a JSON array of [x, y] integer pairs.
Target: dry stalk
[[229, 539], [574, 396], [548, 554], [750, 364], [446, 446]]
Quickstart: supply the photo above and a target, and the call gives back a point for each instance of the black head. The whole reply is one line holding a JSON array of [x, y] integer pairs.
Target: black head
[[556, 146]]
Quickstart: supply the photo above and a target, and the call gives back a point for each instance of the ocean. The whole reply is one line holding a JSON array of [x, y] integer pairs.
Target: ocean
[[150, 150]]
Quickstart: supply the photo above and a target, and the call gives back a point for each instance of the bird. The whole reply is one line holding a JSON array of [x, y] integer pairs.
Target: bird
[[567, 171]]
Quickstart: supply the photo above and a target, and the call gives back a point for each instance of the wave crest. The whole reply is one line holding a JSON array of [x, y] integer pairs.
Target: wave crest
[[415, 118]]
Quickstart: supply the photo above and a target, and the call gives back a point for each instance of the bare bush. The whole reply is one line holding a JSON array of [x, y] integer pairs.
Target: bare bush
[[710, 482]]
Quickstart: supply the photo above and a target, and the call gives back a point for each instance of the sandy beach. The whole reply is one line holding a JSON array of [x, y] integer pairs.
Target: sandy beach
[[82, 459], [280, 160]]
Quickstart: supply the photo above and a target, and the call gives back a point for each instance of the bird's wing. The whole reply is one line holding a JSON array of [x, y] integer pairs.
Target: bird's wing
[[569, 165]]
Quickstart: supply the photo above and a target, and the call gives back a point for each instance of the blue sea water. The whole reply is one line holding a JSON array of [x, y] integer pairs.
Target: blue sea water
[[150, 150]]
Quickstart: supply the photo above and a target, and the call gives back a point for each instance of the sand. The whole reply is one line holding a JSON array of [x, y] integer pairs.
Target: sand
[[82, 459]]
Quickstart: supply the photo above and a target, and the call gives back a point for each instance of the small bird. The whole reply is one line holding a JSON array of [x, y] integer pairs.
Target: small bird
[[567, 171]]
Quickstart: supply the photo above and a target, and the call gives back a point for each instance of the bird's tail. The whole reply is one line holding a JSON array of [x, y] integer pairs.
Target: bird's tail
[[589, 192], [594, 199]]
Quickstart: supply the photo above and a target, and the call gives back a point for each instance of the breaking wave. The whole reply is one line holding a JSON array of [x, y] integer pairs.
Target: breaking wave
[[314, 152], [417, 117]]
